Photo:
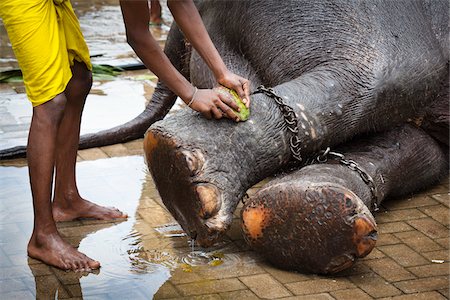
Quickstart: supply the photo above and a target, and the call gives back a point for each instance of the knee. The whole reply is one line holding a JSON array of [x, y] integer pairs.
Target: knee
[[50, 114], [81, 81], [84, 82]]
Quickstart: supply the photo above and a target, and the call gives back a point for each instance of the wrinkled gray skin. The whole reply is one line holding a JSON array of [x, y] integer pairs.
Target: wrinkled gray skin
[[345, 67]]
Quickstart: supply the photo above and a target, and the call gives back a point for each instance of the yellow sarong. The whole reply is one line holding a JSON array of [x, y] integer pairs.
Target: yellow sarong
[[46, 38]]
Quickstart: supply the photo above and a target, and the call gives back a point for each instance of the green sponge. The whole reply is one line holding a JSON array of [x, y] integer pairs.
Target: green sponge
[[244, 112]]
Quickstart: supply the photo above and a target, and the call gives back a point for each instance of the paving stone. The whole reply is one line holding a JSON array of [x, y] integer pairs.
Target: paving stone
[[445, 293], [319, 285], [417, 296], [438, 189], [418, 241], [92, 154], [403, 255], [241, 295], [438, 213], [360, 267], [399, 215], [437, 255], [387, 239], [374, 254], [136, 145], [433, 269], [375, 286], [265, 286], [210, 287], [201, 297], [350, 294], [412, 202], [389, 269], [285, 276], [167, 290], [423, 284], [430, 227], [115, 150], [444, 199], [393, 227], [321, 296], [444, 242]]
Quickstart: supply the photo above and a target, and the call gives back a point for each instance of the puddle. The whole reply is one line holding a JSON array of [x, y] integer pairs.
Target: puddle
[[114, 182], [110, 103], [137, 255]]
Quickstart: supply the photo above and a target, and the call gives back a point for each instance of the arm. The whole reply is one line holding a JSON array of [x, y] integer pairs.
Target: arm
[[188, 19], [136, 16]]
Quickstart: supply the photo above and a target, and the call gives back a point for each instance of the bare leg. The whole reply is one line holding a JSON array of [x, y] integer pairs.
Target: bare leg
[[46, 244], [155, 12], [68, 204]]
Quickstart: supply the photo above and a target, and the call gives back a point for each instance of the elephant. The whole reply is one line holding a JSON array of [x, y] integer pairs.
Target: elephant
[[323, 74], [345, 68]]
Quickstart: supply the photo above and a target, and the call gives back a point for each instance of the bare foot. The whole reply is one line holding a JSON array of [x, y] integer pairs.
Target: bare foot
[[53, 250], [83, 209]]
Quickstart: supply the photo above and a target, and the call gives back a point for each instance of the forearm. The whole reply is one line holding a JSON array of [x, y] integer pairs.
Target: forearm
[[155, 60], [189, 21], [136, 18]]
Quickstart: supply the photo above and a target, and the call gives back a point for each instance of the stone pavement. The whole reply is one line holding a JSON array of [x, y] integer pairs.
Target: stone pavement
[[410, 261]]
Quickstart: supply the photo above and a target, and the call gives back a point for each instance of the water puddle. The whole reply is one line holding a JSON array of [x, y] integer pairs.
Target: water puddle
[[137, 255], [124, 273]]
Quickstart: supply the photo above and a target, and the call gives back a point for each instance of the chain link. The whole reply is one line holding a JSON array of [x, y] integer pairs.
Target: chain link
[[290, 118], [326, 154]]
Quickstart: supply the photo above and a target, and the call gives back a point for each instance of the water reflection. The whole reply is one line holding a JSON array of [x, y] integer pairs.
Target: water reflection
[[124, 273], [137, 255]]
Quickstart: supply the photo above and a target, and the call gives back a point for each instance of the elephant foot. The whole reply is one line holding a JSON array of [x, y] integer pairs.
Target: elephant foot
[[195, 203], [307, 226]]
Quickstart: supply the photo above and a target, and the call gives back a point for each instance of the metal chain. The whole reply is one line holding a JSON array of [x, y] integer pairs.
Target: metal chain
[[323, 157], [290, 118]]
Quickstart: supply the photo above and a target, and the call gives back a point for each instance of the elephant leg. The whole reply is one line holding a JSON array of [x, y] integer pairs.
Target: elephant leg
[[317, 219], [203, 168]]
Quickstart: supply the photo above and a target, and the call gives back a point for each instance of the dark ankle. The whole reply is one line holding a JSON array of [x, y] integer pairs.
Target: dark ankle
[[65, 200]]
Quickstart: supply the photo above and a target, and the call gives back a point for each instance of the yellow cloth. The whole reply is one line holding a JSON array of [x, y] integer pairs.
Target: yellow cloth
[[46, 38]]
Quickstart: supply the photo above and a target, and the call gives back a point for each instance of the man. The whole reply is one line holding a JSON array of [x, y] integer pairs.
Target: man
[[208, 102], [50, 49]]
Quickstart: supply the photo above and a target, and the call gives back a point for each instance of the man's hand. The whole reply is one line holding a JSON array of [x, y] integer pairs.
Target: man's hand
[[212, 104], [237, 83]]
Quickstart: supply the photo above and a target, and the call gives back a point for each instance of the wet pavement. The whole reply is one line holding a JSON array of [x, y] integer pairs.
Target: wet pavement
[[110, 102], [148, 256]]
